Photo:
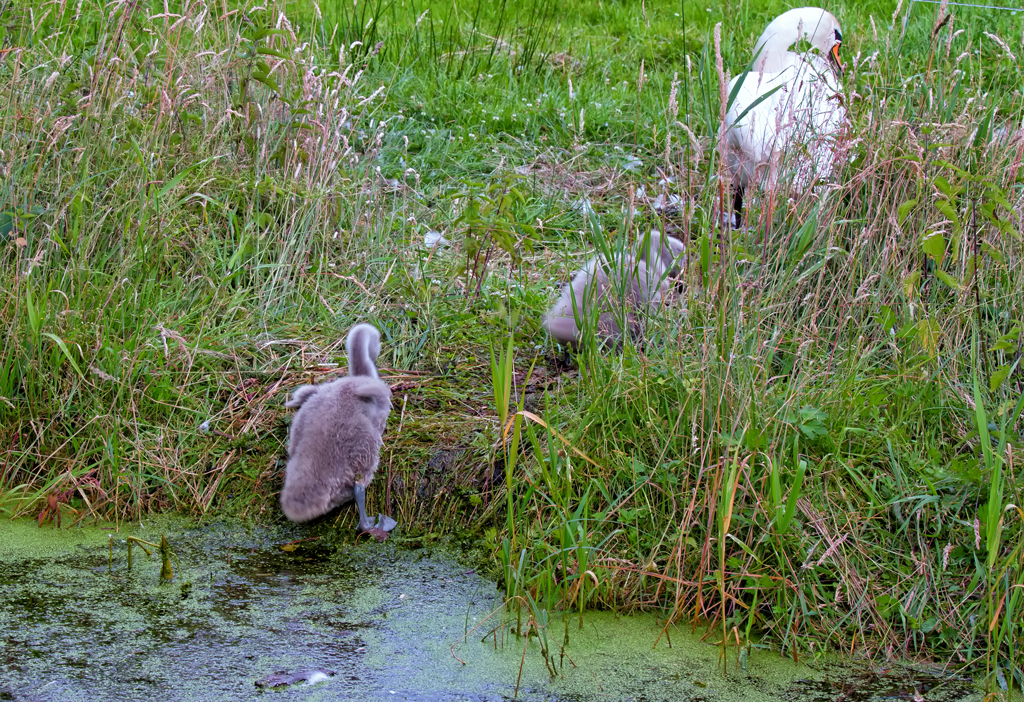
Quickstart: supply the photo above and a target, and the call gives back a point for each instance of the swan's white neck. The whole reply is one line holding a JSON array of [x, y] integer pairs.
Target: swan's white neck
[[773, 48]]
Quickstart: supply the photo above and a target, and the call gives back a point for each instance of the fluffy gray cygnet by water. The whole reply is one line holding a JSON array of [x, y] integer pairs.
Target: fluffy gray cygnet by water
[[335, 439], [630, 281]]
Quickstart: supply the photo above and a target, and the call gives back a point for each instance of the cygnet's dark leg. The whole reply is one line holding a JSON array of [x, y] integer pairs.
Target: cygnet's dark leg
[[360, 494], [365, 523]]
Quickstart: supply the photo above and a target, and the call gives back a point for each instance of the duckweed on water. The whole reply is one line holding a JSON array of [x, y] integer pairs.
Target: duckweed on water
[[383, 619]]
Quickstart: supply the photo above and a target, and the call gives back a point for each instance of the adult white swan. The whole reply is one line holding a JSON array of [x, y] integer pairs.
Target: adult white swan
[[787, 117]]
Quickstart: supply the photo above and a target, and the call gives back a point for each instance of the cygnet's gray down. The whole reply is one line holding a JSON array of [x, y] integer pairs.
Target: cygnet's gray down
[[667, 251], [335, 439], [624, 288]]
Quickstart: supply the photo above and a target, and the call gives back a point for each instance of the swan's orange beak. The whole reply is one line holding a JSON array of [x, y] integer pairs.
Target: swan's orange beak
[[834, 54]]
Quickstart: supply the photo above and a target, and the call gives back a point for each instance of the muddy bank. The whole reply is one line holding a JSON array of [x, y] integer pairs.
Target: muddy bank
[[378, 621]]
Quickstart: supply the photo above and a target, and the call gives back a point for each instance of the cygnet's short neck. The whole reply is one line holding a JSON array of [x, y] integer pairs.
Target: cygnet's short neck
[[363, 347]]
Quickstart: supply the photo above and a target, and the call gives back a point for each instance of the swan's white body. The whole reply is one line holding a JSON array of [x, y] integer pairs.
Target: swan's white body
[[797, 130]]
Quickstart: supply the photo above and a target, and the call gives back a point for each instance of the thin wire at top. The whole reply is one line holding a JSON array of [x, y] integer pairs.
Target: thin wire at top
[[970, 4]]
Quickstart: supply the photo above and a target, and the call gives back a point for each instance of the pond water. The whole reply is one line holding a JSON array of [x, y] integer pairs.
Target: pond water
[[378, 621]]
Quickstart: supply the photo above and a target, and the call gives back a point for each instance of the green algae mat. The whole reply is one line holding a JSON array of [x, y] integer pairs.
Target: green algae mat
[[244, 618]]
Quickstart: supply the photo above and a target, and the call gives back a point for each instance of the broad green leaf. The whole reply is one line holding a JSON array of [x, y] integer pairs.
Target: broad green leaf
[[261, 77], [34, 313], [887, 318], [948, 212], [947, 279], [6, 226], [904, 211], [935, 246], [956, 169], [272, 52], [805, 235], [907, 331], [993, 253], [943, 186], [1006, 228], [262, 33], [998, 377]]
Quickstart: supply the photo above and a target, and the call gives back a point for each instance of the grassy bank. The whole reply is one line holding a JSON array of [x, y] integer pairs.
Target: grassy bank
[[817, 447]]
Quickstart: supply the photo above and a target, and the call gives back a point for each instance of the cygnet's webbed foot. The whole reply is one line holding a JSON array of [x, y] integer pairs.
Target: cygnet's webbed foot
[[383, 523], [365, 522]]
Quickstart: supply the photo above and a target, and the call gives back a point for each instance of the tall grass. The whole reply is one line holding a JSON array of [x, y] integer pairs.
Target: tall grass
[[808, 451]]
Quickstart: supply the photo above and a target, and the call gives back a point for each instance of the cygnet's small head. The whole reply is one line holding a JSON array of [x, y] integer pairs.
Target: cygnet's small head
[[811, 24], [374, 400]]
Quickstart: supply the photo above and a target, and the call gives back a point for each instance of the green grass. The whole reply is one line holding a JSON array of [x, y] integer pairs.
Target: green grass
[[811, 451]]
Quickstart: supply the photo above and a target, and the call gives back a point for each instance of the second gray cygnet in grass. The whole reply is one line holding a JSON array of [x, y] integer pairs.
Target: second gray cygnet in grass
[[640, 279], [335, 440]]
